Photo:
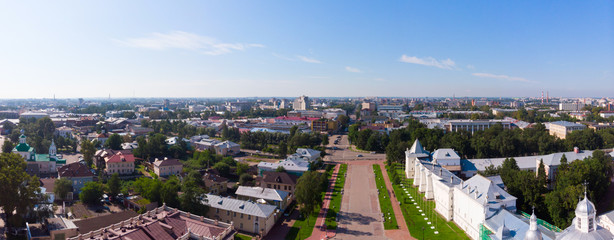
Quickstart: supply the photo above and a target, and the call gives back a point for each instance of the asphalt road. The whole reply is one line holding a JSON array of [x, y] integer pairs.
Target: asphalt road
[[344, 153]]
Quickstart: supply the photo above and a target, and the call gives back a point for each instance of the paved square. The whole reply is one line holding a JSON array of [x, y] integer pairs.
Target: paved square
[[360, 216]]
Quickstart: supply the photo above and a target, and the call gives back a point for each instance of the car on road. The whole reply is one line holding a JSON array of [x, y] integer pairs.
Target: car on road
[[372, 152], [359, 155]]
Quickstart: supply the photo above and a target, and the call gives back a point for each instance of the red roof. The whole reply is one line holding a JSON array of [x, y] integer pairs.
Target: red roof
[[120, 157], [295, 118]]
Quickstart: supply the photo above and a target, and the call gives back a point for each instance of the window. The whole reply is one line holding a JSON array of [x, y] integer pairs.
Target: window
[[285, 187], [241, 227], [241, 217], [579, 223], [268, 185], [227, 212], [217, 210], [249, 217], [590, 223], [234, 214]]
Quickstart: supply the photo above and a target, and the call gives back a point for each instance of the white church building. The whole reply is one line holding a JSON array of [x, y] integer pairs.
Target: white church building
[[482, 208]]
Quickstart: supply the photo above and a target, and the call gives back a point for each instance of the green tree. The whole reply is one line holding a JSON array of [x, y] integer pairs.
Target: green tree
[[114, 142], [280, 169], [293, 131], [541, 174], [88, 150], [114, 184], [222, 168], [20, 191], [283, 149], [242, 168], [246, 179], [307, 192], [62, 187], [91, 193], [7, 146], [169, 191]]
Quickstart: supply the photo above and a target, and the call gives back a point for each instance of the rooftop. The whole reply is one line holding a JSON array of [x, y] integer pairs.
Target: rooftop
[[240, 206], [264, 193]]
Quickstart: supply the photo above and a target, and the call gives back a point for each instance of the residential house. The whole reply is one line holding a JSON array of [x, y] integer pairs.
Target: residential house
[[244, 215], [560, 129], [100, 155], [227, 148], [291, 165], [167, 167], [64, 132], [278, 180], [271, 196], [119, 163], [215, 183], [78, 174]]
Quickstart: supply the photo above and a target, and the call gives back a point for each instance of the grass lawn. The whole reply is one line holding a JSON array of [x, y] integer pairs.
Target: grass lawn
[[384, 199], [335, 203], [413, 218], [239, 236]]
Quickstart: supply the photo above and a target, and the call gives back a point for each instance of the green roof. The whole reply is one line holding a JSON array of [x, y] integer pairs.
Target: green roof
[[22, 136], [46, 158], [23, 147]]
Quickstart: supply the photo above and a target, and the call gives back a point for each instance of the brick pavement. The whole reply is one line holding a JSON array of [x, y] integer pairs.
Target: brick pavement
[[319, 230]]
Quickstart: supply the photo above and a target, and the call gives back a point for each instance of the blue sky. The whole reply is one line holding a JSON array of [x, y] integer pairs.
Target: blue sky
[[317, 48]]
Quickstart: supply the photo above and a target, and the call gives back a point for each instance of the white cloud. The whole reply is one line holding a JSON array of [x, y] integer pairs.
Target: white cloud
[[503, 77], [470, 66], [307, 59], [351, 69], [380, 80], [429, 61], [186, 41]]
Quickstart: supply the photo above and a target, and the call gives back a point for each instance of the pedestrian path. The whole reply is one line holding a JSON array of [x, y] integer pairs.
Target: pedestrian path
[[319, 230], [402, 232]]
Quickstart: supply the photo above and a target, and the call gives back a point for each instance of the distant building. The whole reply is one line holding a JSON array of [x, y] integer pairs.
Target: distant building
[[167, 167], [474, 125], [571, 106], [64, 132], [368, 106], [560, 129], [302, 103]]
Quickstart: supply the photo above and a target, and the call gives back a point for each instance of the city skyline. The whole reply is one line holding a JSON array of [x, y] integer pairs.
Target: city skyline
[[337, 49]]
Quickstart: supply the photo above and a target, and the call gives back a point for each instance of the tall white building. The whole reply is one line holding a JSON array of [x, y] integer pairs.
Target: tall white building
[[301, 103], [571, 106]]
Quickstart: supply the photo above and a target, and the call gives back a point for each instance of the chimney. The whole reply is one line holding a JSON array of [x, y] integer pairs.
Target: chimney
[[576, 149]]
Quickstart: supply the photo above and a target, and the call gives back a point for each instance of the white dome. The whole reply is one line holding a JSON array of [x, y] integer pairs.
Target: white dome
[[503, 232], [533, 233], [585, 207]]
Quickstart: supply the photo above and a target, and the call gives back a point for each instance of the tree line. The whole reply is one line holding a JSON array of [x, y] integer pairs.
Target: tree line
[[492, 142], [557, 204]]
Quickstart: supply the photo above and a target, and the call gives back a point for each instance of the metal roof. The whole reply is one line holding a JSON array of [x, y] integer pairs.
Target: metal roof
[[240, 206]]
